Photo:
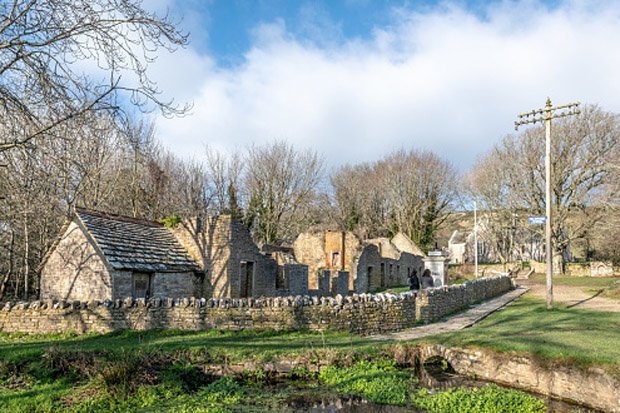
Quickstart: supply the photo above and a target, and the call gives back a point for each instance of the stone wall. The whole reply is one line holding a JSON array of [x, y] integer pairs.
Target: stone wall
[[296, 276], [592, 387], [309, 250], [436, 303], [578, 269], [361, 314], [224, 247]]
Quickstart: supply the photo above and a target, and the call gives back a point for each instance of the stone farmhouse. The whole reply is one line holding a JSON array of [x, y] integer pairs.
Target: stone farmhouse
[[101, 256], [371, 264]]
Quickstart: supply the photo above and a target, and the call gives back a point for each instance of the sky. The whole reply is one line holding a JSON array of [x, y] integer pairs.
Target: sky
[[357, 79]]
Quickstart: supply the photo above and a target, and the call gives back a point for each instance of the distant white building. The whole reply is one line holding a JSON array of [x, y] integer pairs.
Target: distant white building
[[527, 245]]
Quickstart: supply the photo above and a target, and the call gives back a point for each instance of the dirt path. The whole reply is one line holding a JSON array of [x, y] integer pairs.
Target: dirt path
[[573, 296]]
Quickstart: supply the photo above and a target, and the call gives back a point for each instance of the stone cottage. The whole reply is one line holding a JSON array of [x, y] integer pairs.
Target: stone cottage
[[101, 256], [372, 263]]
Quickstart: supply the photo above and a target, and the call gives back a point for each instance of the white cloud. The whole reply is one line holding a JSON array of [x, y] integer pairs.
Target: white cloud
[[446, 80]]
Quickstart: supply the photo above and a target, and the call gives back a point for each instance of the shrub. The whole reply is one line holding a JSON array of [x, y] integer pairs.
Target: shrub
[[186, 376]]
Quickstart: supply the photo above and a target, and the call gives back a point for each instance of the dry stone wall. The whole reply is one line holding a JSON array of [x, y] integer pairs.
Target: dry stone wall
[[361, 314], [592, 386], [436, 303]]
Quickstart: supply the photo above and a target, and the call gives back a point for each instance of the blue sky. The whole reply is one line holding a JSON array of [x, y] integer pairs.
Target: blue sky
[[356, 79]]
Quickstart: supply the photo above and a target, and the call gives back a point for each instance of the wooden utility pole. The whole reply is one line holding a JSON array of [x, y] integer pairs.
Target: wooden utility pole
[[476, 239], [545, 115]]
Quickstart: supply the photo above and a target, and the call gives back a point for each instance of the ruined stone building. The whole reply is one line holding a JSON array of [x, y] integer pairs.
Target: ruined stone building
[[371, 264], [101, 256]]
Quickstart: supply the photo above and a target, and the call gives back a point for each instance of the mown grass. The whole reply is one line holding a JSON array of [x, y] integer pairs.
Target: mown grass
[[562, 335], [600, 282], [612, 291]]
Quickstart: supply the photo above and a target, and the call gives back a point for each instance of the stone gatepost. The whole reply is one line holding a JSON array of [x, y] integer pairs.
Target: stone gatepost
[[342, 286], [437, 263], [324, 282], [297, 277]]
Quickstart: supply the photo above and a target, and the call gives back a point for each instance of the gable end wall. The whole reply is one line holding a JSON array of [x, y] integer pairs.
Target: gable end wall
[[75, 270]]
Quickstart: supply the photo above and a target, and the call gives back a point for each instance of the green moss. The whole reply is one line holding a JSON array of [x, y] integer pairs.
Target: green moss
[[171, 221]]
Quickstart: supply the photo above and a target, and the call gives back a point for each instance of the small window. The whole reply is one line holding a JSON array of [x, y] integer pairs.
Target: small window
[[141, 285], [335, 259]]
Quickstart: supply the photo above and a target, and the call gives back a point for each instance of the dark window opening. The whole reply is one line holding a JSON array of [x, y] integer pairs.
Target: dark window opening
[[141, 285]]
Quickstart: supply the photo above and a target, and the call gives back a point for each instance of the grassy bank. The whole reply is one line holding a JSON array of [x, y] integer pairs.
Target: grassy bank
[[149, 382], [563, 335]]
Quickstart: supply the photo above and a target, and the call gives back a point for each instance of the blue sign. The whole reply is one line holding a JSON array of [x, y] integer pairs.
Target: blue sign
[[537, 220]]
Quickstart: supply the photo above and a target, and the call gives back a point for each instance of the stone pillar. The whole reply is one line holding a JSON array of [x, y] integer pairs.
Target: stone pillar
[[297, 277], [342, 285], [324, 282], [437, 263]]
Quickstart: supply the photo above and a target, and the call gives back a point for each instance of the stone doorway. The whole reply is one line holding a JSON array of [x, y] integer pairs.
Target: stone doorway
[[246, 278]]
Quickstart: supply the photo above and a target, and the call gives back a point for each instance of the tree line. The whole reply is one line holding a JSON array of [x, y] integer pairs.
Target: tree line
[[116, 164], [69, 139]]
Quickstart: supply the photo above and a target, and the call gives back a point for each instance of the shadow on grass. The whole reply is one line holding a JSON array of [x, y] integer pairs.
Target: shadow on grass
[[231, 342], [599, 292], [585, 336]]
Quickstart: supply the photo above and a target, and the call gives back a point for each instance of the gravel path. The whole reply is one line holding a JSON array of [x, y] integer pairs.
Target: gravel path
[[458, 321], [573, 296]]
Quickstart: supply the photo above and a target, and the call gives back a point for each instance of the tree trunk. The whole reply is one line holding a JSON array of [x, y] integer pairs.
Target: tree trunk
[[7, 276], [26, 257]]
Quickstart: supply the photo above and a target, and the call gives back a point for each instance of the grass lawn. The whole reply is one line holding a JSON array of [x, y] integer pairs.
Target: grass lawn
[[592, 282], [565, 335], [610, 286]]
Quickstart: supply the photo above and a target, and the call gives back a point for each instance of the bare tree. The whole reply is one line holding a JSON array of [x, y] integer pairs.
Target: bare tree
[[406, 191], [511, 177], [279, 181], [224, 174], [45, 47]]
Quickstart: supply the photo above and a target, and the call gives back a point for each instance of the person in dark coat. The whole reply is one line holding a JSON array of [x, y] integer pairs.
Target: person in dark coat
[[414, 281]]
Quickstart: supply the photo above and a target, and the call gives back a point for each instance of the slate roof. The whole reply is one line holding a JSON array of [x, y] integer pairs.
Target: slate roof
[[137, 245]]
